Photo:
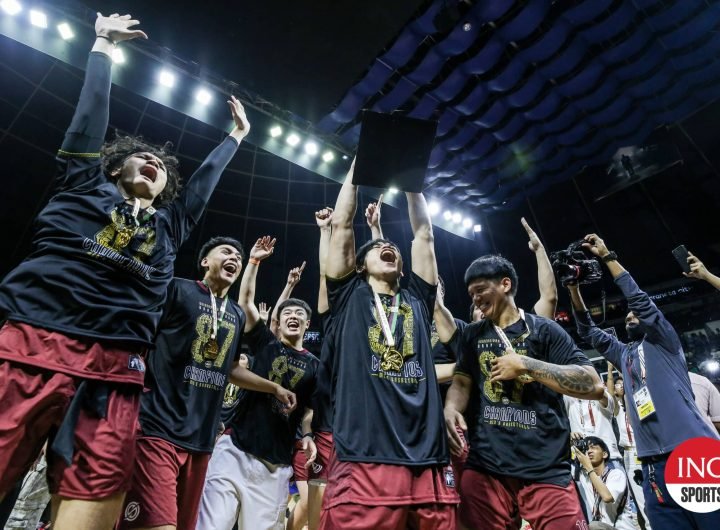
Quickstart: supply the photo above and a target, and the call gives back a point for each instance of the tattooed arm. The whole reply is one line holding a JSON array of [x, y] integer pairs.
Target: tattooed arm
[[570, 379]]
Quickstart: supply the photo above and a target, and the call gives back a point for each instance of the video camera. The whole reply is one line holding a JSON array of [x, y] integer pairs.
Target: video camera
[[575, 265]]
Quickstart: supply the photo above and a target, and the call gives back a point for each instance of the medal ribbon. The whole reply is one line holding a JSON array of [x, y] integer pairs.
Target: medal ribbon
[[215, 320], [502, 335], [388, 329]]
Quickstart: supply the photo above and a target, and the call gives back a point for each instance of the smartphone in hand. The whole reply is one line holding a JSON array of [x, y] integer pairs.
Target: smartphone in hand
[[681, 255]]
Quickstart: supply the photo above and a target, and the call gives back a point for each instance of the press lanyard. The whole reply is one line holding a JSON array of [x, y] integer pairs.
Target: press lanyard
[[215, 320], [629, 363], [590, 413], [596, 507]]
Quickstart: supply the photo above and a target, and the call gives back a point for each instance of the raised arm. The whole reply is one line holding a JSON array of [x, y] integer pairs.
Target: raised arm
[[323, 218], [262, 249], [652, 321], [423, 244], [698, 270], [606, 344], [292, 280], [444, 321], [86, 132], [341, 252], [372, 217], [546, 304]]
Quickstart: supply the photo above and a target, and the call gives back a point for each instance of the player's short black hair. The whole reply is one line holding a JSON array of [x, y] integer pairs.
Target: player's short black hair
[[492, 267], [115, 152], [216, 242], [367, 247], [594, 440], [295, 302]]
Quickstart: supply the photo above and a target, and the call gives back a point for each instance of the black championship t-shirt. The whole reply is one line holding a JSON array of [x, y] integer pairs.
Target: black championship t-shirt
[[445, 353], [515, 429], [93, 272], [386, 410], [261, 426], [322, 402], [185, 380]]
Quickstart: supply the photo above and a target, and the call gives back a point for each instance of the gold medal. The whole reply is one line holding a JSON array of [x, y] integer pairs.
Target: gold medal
[[392, 360], [123, 237], [211, 349]]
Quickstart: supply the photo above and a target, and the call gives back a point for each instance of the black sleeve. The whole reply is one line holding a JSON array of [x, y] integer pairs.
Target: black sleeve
[[325, 321], [561, 349], [466, 355], [86, 133], [339, 291], [240, 329], [423, 291], [187, 209], [258, 338]]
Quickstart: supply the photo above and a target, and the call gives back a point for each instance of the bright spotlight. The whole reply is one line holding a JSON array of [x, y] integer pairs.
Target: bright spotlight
[[712, 366], [477, 228], [311, 148], [293, 139], [345, 157], [118, 56], [467, 223], [166, 78], [65, 31], [203, 96], [276, 131], [393, 190], [447, 215], [11, 7], [328, 156], [456, 218], [38, 18], [433, 207]]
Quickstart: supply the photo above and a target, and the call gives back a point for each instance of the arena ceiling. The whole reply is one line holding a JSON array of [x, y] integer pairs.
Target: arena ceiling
[[532, 98]]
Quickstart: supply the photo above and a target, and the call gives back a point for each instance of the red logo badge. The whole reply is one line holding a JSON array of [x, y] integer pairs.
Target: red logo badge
[[692, 475]]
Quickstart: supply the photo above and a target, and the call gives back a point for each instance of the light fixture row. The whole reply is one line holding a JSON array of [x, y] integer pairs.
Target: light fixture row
[[293, 140], [454, 217]]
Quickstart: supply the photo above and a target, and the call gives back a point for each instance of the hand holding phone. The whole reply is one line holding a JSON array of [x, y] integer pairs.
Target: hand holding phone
[[681, 255]]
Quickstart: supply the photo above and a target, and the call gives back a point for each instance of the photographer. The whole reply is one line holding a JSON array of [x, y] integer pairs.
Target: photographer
[[610, 506], [652, 364]]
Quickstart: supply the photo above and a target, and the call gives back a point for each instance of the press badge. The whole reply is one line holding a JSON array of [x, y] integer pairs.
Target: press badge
[[643, 403]]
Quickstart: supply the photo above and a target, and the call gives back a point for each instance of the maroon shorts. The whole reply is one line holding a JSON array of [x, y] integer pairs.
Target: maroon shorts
[[166, 487], [499, 503], [392, 496], [34, 403], [410, 517], [458, 462], [318, 470]]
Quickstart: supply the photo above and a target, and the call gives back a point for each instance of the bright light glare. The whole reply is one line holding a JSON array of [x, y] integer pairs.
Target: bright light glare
[[328, 156], [203, 96], [456, 218], [38, 18], [311, 148], [293, 139], [712, 366], [393, 190], [166, 79], [477, 228], [467, 223], [65, 31], [11, 7], [118, 56], [433, 207], [447, 215], [276, 131], [345, 157]]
